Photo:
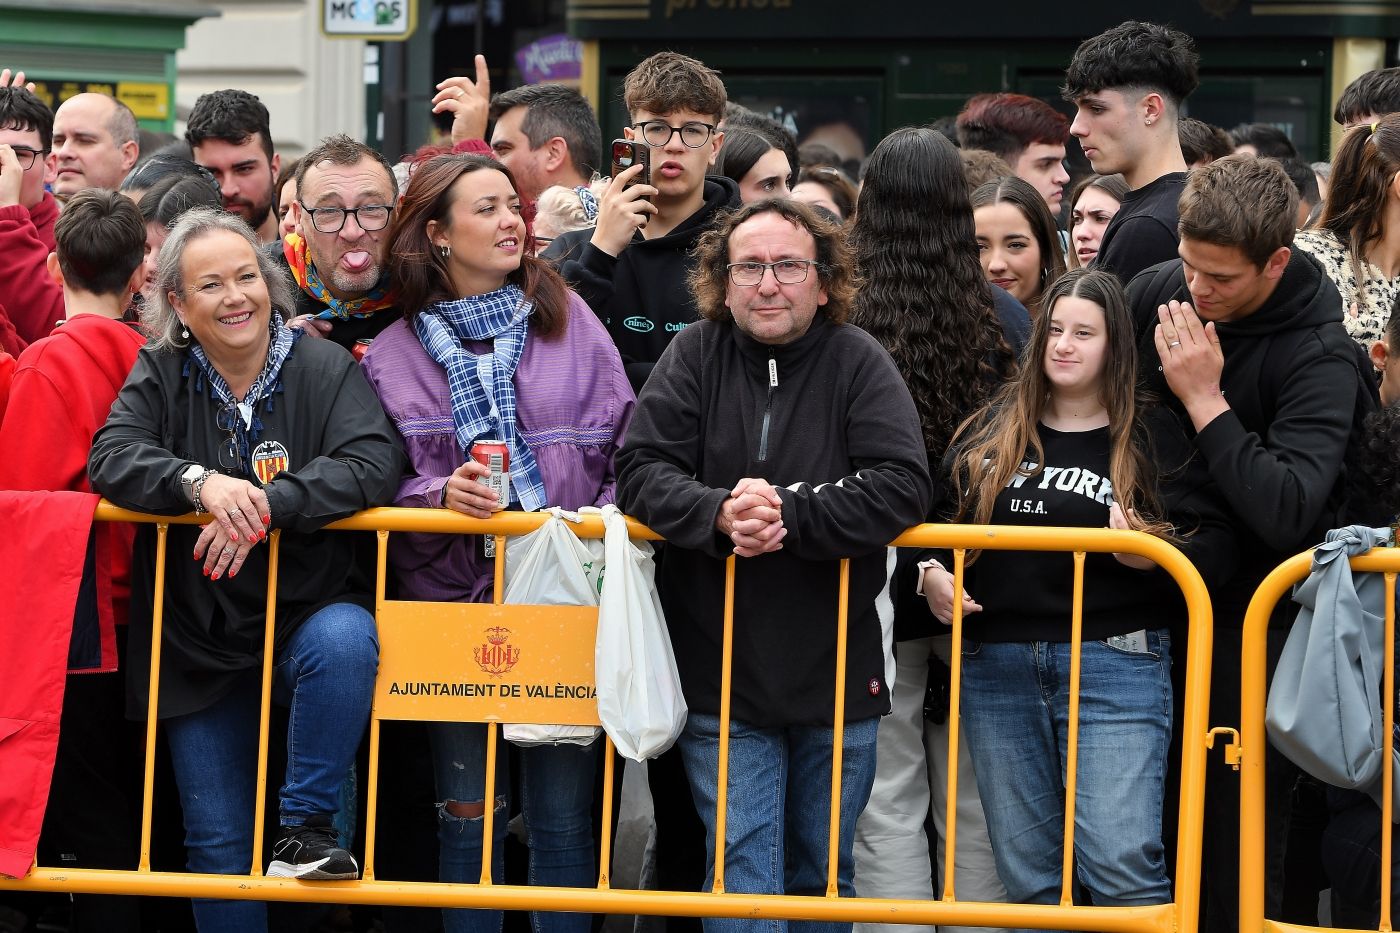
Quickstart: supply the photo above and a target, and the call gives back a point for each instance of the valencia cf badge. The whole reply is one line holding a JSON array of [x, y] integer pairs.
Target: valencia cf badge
[[874, 686], [269, 459]]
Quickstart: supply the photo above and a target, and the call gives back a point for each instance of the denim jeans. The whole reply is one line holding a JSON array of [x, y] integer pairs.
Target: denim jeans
[[779, 809], [556, 789], [325, 675], [1016, 713]]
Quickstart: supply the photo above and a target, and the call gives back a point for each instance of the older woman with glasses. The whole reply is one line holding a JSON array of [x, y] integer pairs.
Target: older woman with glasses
[[228, 412]]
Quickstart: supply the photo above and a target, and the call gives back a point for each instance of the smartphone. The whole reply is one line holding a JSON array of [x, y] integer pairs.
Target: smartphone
[[627, 153]]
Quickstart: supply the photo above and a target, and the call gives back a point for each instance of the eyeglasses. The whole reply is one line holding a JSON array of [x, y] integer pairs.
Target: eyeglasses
[[27, 157], [658, 133], [230, 451], [370, 217], [785, 271]]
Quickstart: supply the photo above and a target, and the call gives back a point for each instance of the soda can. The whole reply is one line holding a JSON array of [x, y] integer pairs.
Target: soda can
[[495, 456], [358, 350]]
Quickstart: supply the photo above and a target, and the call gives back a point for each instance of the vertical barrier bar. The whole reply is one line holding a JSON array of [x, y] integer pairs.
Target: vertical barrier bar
[[1388, 779], [265, 711], [372, 788], [488, 799], [950, 819], [152, 697], [1076, 645], [838, 732], [726, 670], [605, 844]]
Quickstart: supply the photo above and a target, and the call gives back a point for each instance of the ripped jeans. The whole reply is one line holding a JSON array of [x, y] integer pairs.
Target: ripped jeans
[[556, 787]]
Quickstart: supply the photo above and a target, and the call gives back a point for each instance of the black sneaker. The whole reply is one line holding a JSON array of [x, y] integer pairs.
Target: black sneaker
[[311, 852]]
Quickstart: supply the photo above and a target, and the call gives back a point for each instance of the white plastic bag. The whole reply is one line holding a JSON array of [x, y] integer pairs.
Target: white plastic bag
[[639, 689], [551, 566]]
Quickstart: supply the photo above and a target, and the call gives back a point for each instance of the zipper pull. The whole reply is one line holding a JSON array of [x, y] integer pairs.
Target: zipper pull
[[772, 371]]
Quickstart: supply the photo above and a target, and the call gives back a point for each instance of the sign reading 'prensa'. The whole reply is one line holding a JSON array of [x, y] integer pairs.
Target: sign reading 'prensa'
[[468, 662]]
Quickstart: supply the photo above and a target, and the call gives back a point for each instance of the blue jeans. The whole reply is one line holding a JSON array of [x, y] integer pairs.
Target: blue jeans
[[556, 790], [779, 809], [1016, 714], [325, 674]]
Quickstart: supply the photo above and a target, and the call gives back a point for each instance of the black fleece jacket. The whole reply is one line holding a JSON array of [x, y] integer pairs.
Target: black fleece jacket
[[844, 448], [1295, 392], [641, 295]]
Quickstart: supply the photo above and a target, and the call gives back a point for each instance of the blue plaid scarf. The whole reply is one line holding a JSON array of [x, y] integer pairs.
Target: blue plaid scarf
[[243, 416], [483, 393]]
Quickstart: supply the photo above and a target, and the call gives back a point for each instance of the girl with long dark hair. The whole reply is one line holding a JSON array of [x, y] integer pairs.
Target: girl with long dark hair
[[955, 339], [1017, 239], [1069, 443], [756, 164], [493, 345]]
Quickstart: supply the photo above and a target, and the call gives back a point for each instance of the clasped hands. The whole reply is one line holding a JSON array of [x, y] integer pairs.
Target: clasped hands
[[752, 517]]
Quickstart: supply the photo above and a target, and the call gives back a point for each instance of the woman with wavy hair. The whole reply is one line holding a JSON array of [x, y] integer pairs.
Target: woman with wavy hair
[[1068, 443], [1017, 241], [493, 345], [1357, 239], [955, 339]]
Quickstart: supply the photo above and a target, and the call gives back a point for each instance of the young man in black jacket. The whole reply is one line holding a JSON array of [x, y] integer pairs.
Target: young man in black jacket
[[1244, 337], [631, 267], [773, 431]]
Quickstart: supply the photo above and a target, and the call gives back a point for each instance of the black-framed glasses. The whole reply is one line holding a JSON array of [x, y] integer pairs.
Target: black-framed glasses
[[657, 133], [785, 271], [370, 217], [230, 451], [27, 157]]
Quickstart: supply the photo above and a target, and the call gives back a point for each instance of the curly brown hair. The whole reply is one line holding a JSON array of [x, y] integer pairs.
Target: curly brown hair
[[709, 277], [668, 82]]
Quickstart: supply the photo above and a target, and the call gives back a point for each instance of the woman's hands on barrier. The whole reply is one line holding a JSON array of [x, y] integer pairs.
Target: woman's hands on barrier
[[220, 553], [238, 506], [938, 590]]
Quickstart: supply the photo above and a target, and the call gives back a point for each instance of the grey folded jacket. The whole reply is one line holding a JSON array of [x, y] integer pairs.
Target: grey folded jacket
[[1324, 711]]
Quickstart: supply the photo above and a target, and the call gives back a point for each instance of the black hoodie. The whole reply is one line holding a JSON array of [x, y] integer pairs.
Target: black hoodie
[[1295, 391], [641, 295]]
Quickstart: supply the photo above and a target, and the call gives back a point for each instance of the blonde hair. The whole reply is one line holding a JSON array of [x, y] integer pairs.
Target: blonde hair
[[560, 209]]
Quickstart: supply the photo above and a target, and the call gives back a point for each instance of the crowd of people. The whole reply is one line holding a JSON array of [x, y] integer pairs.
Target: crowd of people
[[755, 354]]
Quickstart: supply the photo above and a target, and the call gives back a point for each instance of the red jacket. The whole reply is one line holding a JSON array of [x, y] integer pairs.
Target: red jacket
[[44, 546], [62, 392], [33, 300], [7, 375]]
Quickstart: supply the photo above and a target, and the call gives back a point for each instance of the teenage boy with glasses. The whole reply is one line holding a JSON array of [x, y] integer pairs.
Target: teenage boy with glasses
[[32, 302], [631, 268]]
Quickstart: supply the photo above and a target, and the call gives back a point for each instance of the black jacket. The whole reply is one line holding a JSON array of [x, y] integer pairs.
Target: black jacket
[[641, 295], [1296, 394], [343, 456], [843, 445]]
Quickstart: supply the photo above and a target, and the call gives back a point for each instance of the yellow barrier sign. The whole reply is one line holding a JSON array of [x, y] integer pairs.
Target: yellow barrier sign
[[470, 662]]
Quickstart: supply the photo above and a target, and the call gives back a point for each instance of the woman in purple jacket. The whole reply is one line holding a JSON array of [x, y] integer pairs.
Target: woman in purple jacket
[[494, 345]]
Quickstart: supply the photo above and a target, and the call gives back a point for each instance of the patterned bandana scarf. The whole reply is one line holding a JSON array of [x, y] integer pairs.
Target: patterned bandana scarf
[[242, 417], [483, 393], [589, 202], [304, 271]]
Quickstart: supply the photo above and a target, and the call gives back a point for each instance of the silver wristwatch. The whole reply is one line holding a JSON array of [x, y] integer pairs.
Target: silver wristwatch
[[188, 478]]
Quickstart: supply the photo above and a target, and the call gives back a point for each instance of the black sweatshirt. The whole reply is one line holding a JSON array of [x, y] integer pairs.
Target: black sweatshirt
[[1073, 490], [343, 456], [1143, 232], [641, 295], [844, 447], [1295, 391]]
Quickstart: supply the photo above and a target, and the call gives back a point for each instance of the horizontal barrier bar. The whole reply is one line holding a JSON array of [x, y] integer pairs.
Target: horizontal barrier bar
[[1155, 919]]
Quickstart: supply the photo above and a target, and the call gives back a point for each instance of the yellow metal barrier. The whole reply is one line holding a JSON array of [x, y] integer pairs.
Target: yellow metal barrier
[[1178, 916], [1253, 738]]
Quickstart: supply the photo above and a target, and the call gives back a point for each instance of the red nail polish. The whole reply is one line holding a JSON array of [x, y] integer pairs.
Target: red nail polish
[[233, 536], [232, 574], [267, 519], [206, 571], [215, 576]]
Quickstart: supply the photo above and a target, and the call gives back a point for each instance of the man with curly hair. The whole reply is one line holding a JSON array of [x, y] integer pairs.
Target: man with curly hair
[[1127, 85], [773, 431]]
